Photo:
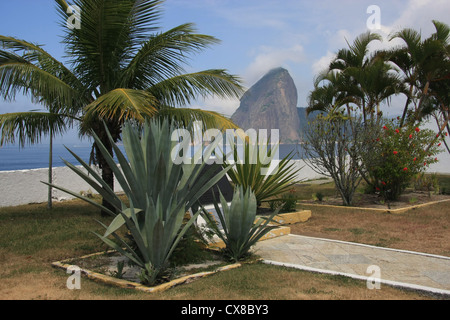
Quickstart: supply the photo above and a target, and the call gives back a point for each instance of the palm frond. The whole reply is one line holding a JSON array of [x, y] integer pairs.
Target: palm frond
[[163, 55], [30, 127], [184, 117], [19, 75], [183, 89], [123, 104], [111, 32]]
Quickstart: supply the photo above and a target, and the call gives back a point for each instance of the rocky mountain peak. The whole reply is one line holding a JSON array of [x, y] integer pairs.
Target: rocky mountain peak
[[271, 103]]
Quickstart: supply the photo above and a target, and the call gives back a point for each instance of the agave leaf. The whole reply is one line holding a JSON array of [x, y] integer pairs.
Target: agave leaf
[[240, 230], [77, 195], [119, 221], [128, 253], [181, 234], [101, 187]]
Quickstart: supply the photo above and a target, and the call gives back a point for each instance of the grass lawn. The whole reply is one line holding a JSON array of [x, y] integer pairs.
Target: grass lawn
[[425, 229], [31, 237]]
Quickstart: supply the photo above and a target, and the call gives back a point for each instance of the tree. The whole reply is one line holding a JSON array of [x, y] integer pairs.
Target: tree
[[365, 79], [328, 140], [120, 67], [425, 68], [29, 127]]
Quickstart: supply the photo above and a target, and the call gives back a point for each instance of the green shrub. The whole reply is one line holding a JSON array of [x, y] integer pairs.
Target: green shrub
[[425, 182], [398, 155], [319, 196], [286, 203]]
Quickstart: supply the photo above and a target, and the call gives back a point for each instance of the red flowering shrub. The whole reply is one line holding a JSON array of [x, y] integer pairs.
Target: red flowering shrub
[[399, 154]]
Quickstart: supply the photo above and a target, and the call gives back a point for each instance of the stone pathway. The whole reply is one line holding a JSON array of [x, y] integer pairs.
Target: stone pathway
[[419, 271]]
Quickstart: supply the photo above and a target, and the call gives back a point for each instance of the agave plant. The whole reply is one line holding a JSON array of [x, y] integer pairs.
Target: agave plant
[[241, 229], [158, 192], [255, 169]]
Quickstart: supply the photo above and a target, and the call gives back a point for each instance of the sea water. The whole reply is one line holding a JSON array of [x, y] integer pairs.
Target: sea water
[[13, 157]]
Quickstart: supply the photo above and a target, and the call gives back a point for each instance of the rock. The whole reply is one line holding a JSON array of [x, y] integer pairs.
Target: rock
[[271, 104]]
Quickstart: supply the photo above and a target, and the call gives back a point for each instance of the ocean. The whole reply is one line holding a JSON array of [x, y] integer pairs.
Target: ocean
[[37, 156]]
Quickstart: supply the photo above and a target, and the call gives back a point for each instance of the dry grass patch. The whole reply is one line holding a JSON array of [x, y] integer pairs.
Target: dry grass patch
[[425, 229], [31, 238]]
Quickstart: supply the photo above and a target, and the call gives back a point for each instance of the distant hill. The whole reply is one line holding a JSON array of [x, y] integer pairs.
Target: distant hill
[[271, 103]]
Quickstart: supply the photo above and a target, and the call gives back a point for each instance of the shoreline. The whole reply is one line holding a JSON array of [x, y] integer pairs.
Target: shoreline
[[21, 187]]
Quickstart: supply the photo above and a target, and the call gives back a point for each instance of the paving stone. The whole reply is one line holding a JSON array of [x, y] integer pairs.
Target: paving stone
[[408, 269]]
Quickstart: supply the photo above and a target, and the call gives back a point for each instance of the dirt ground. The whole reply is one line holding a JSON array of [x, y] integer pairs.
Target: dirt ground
[[425, 229], [374, 201]]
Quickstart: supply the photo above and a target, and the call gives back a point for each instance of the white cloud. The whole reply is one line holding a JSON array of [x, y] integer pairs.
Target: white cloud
[[269, 58], [322, 63], [417, 14], [225, 107]]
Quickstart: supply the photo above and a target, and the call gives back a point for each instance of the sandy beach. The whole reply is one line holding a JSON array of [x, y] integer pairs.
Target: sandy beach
[[25, 186]]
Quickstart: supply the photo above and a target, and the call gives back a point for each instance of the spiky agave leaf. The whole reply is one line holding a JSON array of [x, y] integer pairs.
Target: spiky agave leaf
[[241, 228], [158, 191], [251, 171]]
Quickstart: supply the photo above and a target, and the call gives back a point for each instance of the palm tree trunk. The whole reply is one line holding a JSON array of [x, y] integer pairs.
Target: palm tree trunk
[[106, 172], [50, 171], [108, 177]]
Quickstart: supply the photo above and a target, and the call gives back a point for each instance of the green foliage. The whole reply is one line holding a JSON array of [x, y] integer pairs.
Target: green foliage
[[428, 183], [252, 170], [121, 67], [158, 191], [329, 141], [241, 229], [319, 196], [399, 155], [286, 203]]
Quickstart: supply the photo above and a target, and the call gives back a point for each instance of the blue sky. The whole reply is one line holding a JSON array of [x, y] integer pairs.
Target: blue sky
[[256, 35]]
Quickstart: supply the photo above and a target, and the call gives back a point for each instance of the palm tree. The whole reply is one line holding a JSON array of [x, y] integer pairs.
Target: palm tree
[[352, 61], [120, 67], [333, 90], [372, 80], [425, 67], [30, 127], [356, 77]]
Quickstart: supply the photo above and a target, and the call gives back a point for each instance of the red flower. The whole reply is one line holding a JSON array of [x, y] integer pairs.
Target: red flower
[[405, 169], [410, 136], [383, 183], [439, 144], [417, 129], [435, 159], [397, 131], [378, 139], [415, 159], [385, 128], [424, 163], [446, 134], [395, 152], [378, 189]]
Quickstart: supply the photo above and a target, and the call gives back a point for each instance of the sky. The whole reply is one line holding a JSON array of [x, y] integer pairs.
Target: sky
[[256, 35]]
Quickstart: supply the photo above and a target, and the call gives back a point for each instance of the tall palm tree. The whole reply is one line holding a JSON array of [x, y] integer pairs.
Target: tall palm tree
[[425, 68], [352, 61], [356, 77], [29, 127], [120, 67]]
